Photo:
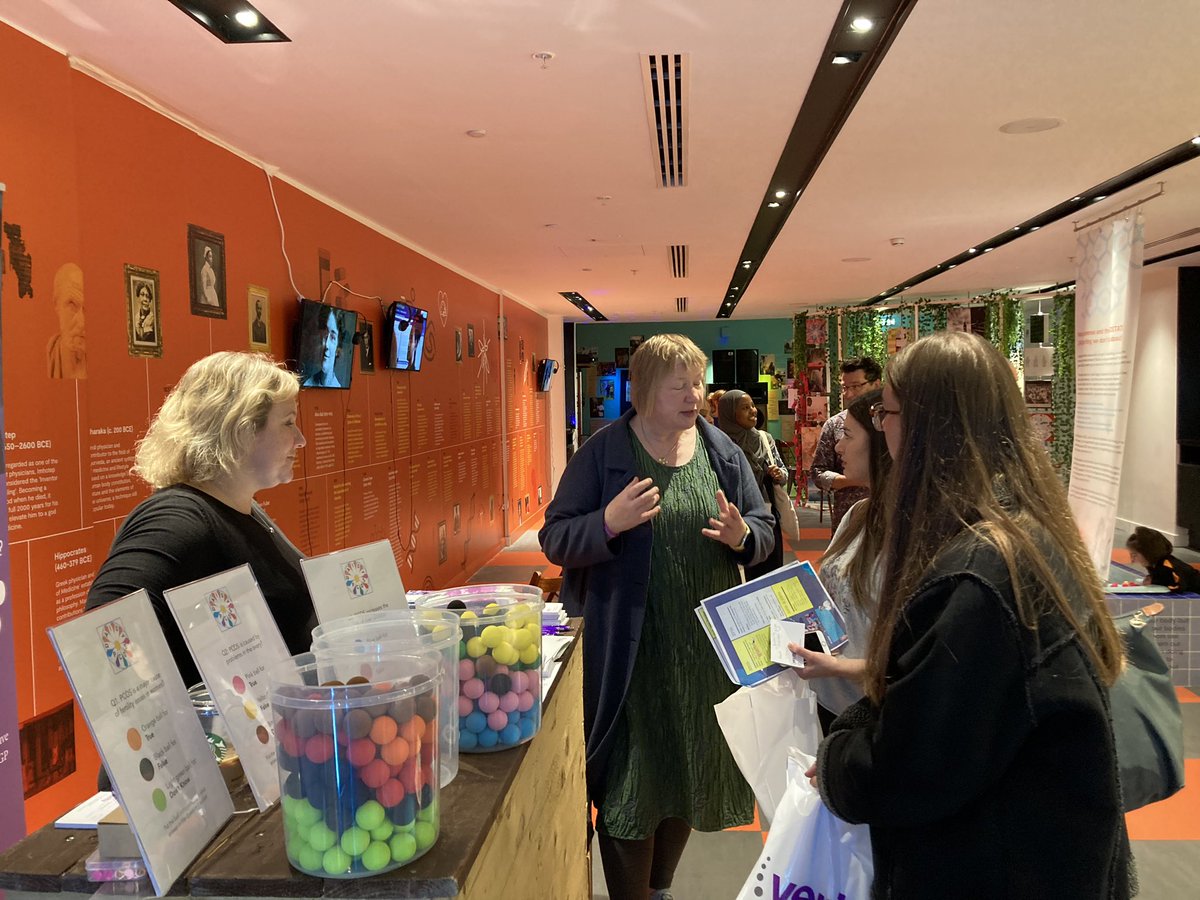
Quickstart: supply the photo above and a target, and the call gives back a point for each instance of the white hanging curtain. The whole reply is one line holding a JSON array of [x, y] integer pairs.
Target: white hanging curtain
[[1107, 289]]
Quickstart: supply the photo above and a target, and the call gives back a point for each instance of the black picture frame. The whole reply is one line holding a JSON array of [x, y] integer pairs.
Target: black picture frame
[[366, 347], [206, 273], [143, 311]]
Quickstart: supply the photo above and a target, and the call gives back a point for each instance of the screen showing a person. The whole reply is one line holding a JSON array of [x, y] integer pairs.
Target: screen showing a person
[[545, 372], [404, 329], [325, 337]]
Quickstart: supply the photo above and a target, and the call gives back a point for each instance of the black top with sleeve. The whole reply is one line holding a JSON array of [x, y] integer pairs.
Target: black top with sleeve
[[1175, 574], [180, 534]]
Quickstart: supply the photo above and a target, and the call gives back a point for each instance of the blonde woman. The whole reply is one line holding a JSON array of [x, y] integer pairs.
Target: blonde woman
[[225, 432], [654, 513]]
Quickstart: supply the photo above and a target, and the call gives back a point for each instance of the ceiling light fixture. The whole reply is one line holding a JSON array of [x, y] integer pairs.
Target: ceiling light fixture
[[781, 194], [544, 57], [988, 249], [1030, 126], [477, 132], [773, 204], [1098, 199], [1196, 139], [844, 59], [972, 250], [231, 21], [861, 25]]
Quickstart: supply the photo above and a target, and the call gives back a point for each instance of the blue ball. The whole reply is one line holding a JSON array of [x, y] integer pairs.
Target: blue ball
[[476, 722], [467, 740], [404, 811], [514, 717], [488, 738], [528, 728], [510, 734]]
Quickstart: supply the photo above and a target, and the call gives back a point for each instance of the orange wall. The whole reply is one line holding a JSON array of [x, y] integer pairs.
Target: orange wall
[[94, 178]]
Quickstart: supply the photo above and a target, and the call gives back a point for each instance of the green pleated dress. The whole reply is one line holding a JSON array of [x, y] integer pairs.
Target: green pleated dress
[[670, 758]]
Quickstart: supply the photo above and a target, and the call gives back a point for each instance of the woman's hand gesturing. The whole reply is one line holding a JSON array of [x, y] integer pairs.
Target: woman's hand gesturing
[[728, 527], [636, 504]]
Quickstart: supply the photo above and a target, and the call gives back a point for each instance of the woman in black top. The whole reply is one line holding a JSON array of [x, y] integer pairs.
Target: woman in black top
[[227, 431], [1151, 550]]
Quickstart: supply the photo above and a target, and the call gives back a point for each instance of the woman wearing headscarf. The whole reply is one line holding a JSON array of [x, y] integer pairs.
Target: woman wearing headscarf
[[736, 416]]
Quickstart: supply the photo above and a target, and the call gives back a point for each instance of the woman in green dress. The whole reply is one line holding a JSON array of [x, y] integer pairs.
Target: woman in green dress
[[654, 513]]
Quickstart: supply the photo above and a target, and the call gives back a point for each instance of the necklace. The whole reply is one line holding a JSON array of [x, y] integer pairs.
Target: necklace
[[662, 460]]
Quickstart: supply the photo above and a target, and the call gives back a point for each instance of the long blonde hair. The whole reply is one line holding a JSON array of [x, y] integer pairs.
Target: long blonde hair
[[207, 422], [969, 462]]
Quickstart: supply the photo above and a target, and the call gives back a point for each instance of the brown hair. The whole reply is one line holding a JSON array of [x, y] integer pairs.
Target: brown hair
[[655, 360], [867, 518], [1152, 545], [969, 463]]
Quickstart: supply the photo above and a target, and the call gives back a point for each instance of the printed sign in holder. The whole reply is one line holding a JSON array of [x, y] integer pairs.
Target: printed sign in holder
[[235, 641], [355, 580], [162, 769]]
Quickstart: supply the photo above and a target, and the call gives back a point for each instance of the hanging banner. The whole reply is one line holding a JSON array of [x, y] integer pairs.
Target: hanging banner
[[1107, 286], [12, 825]]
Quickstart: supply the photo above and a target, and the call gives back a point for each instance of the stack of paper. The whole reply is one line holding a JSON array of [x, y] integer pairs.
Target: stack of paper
[[553, 614], [738, 621]]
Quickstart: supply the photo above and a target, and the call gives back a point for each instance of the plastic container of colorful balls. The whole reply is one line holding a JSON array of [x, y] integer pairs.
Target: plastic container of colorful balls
[[499, 664], [406, 632], [357, 749]]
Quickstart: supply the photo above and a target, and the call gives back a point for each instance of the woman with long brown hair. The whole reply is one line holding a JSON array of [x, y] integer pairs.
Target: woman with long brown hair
[[982, 756]]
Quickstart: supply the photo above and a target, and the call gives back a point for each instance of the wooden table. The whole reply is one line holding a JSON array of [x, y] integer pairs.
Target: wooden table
[[513, 825]]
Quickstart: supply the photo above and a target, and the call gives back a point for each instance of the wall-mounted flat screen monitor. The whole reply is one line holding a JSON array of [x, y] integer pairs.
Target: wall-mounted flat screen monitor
[[545, 371], [325, 345], [404, 337]]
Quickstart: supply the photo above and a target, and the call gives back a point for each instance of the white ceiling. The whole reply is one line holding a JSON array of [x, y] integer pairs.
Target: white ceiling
[[369, 104]]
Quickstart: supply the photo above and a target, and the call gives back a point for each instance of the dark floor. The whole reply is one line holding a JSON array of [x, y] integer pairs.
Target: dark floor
[[1166, 836]]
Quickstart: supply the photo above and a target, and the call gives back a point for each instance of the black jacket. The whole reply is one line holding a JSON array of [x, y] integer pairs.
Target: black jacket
[[605, 581], [990, 768]]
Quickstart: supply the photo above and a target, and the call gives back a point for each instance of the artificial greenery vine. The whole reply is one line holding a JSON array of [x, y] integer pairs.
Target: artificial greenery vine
[[799, 344], [1062, 388]]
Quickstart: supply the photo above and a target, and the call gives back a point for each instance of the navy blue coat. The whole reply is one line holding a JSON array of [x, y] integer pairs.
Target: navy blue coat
[[605, 581]]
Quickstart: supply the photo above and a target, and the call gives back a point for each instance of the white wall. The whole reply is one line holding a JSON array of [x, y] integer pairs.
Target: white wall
[[1148, 473], [558, 401]]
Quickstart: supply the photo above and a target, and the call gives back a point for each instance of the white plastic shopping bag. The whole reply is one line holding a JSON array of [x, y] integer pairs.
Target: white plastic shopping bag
[[760, 724], [810, 852]]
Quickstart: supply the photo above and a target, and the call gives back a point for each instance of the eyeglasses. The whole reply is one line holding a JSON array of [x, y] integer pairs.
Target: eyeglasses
[[879, 414], [856, 387]]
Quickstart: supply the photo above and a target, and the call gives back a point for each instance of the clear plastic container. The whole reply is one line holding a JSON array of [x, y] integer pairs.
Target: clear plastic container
[[356, 741], [406, 631], [500, 663]]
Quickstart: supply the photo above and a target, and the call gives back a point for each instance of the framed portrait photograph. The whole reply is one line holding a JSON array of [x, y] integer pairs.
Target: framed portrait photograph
[[443, 551], [621, 357], [258, 302], [142, 309], [366, 347], [206, 272], [458, 344]]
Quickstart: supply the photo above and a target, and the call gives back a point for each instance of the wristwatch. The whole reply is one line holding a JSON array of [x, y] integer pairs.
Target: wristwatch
[[742, 546]]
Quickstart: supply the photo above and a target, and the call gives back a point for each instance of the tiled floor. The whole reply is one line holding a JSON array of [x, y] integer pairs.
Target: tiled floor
[[1166, 836]]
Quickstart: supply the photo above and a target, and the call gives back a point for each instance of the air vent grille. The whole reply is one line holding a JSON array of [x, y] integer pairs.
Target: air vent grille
[[681, 304], [679, 261], [665, 79]]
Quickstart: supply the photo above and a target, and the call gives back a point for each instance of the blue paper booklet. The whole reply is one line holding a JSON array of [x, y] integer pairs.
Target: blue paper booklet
[[738, 621]]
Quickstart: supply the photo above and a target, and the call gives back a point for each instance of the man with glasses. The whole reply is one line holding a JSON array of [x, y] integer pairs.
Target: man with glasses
[[859, 375]]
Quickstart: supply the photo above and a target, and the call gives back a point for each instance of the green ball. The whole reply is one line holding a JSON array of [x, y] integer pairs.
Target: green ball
[[408, 828], [383, 832], [306, 812], [429, 813], [321, 837], [403, 847], [425, 834], [336, 861], [309, 859], [355, 840], [288, 805], [294, 846], [303, 830], [376, 856], [370, 815]]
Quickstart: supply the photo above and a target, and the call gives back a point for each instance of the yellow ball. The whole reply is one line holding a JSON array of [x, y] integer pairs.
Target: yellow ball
[[522, 639], [492, 636], [530, 655], [476, 647]]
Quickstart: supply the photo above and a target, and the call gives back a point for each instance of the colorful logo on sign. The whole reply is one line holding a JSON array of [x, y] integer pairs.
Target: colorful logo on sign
[[358, 581], [224, 613], [117, 646]]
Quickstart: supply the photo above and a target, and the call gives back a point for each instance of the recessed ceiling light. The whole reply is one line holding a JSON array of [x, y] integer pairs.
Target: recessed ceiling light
[[1035, 227], [1016, 228], [781, 194], [972, 250], [988, 249], [1076, 199], [603, 197], [773, 204], [746, 262], [861, 25], [856, 259], [245, 26], [247, 18], [951, 266], [477, 132], [1101, 197], [1196, 140], [841, 60], [1030, 126], [736, 288]]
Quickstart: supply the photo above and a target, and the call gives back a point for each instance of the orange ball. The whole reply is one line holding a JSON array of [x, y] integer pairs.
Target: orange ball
[[395, 752], [413, 728], [383, 730]]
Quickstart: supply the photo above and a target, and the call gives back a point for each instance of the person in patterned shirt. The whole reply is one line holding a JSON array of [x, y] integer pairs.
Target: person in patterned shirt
[[859, 375]]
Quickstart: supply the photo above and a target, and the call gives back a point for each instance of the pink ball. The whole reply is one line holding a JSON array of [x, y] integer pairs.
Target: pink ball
[[509, 701], [466, 669], [472, 688], [489, 703], [520, 682], [465, 707], [497, 720], [525, 701]]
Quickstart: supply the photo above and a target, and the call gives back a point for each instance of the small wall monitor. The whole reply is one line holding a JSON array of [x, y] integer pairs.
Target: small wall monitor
[[325, 345], [545, 372], [404, 337]]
